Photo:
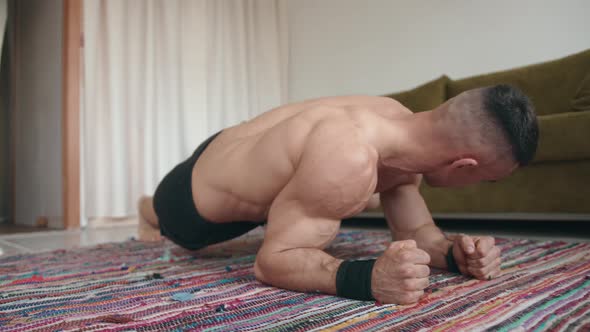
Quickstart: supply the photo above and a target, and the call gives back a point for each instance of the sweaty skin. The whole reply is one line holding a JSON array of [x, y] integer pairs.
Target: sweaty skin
[[305, 166]]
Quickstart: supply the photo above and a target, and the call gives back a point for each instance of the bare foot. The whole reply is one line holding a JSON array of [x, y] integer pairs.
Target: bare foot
[[147, 231]]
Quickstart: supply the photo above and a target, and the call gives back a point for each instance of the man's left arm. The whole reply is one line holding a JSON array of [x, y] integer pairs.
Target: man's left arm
[[408, 218]]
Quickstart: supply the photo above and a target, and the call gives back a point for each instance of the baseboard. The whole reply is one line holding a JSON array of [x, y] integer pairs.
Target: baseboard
[[499, 216], [516, 216], [55, 222]]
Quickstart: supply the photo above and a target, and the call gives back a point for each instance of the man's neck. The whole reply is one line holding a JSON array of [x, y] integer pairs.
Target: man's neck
[[416, 143]]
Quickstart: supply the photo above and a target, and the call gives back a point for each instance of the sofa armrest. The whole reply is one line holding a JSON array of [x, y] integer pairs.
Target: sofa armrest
[[564, 136]]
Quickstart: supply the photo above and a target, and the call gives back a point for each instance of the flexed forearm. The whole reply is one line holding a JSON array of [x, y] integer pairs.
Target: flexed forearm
[[408, 218], [432, 240], [298, 269]]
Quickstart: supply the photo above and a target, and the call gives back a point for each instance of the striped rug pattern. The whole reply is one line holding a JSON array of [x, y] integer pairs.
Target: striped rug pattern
[[134, 286]]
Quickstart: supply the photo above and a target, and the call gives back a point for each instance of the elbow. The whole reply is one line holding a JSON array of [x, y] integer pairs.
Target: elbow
[[261, 268], [258, 272]]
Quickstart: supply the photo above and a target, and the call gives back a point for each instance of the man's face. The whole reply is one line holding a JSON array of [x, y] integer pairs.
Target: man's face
[[452, 176]]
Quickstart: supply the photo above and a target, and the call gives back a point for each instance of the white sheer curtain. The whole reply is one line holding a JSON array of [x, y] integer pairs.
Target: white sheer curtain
[[161, 76]]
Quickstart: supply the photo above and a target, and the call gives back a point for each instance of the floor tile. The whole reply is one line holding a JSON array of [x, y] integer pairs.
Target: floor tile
[[52, 240], [11, 249]]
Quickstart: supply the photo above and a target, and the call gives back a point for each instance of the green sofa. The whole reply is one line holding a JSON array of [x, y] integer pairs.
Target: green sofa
[[558, 181]]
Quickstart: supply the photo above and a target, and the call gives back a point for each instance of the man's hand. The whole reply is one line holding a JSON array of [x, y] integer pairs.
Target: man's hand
[[476, 256], [400, 274]]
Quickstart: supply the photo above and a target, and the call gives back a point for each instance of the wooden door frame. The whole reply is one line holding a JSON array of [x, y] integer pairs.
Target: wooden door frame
[[71, 70]]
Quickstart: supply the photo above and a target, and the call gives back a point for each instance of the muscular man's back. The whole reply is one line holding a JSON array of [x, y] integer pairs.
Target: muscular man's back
[[246, 166]]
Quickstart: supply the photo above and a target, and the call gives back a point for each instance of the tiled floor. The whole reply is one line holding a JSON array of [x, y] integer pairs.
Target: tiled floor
[[49, 240], [119, 231]]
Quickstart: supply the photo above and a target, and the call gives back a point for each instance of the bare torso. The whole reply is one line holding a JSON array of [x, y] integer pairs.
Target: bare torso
[[304, 167], [245, 168]]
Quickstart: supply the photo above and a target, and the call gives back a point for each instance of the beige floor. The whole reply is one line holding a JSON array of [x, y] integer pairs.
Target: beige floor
[[102, 231], [49, 240]]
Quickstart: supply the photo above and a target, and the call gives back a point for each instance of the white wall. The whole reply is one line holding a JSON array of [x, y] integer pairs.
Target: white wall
[[38, 178], [380, 46]]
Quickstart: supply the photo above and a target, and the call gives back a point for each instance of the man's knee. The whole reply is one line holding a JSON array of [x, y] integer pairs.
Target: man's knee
[[145, 206]]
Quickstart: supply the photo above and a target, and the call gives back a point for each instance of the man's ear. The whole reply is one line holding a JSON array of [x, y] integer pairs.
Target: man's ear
[[464, 162]]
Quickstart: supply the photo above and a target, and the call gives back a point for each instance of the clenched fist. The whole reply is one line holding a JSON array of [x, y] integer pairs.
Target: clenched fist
[[400, 274], [476, 256]]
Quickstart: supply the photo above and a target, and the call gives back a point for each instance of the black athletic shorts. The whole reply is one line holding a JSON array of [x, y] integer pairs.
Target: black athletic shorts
[[178, 217]]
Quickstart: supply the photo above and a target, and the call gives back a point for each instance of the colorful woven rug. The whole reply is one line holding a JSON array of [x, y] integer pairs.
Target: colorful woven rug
[[134, 286]]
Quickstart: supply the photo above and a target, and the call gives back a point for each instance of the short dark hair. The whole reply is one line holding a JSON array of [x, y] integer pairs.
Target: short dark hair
[[515, 114]]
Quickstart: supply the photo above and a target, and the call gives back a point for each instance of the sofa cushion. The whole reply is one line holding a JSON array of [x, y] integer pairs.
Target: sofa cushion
[[581, 101], [424, 97], [551, 85], [553, 187], [563, 137]]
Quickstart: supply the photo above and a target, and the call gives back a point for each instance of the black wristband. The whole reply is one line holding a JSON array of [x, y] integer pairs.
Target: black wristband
[[451, 263], [353, 280]]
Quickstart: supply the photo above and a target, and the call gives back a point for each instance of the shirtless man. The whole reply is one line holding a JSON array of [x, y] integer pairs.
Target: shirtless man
[[305, 166]]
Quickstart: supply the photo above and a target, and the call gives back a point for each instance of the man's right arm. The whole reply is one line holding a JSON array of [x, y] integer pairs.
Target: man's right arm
[[331, 180], [334, 179], [291, 256]]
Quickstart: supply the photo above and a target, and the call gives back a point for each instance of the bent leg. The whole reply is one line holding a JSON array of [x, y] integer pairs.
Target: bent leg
[[148, 229]]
